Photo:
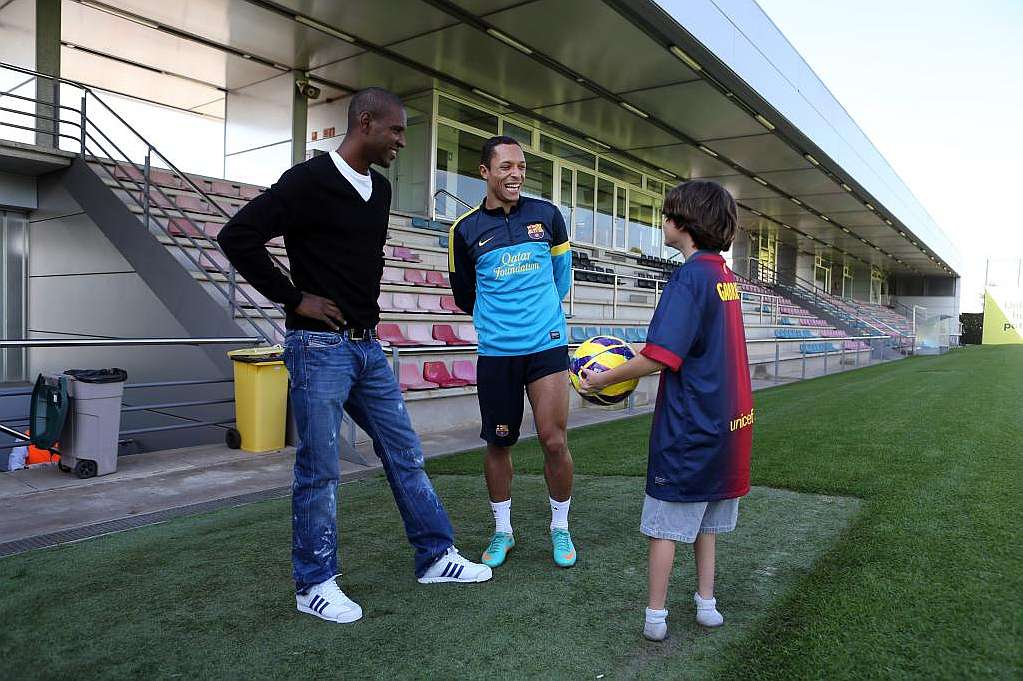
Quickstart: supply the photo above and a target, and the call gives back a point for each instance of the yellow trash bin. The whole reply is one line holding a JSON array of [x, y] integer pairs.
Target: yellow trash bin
[[260, 399]]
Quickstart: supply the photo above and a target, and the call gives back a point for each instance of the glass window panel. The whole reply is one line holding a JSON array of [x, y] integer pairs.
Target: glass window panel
[[643, 237], [458, 160], [523, 136], [470, 115], [567, 152], [539, 181], [605, 212], [655, 186], [620, 172], [621, 206], [584, 195], [566, 201]]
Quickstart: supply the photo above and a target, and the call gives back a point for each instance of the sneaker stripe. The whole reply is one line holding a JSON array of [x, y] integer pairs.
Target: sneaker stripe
[[449, 570], [323, 606], [313, 603], [458, 572]]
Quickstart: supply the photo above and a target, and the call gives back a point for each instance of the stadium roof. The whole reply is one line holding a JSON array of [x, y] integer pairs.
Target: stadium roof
[[682, 85]]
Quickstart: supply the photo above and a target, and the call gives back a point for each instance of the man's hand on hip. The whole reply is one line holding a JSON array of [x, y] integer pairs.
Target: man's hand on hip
[[324, 309]]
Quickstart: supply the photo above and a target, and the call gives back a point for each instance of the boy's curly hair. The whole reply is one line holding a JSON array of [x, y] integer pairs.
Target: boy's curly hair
[[704, 209]]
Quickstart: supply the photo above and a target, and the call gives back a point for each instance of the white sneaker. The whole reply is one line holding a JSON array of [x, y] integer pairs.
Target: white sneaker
[[655, 628], [451, 567], [707, 612], [328, 602]]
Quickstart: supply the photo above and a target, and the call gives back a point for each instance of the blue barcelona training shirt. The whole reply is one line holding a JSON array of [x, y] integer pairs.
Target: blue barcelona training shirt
[[702, 432], [510, 272]]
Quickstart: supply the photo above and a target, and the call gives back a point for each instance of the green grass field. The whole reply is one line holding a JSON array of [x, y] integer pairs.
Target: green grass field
[[881, 541]]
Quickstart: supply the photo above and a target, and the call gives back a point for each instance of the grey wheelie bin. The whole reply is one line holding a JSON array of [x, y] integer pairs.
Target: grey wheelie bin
[[88, 443]]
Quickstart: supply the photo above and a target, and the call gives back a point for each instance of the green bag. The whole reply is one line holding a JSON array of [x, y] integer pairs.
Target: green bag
[[48, 410]]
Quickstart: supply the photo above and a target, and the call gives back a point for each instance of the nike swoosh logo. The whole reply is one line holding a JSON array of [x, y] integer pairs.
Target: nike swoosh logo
[[485, 242]]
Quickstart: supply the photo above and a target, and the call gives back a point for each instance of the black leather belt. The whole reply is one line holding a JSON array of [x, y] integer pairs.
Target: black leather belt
[[359, 334]]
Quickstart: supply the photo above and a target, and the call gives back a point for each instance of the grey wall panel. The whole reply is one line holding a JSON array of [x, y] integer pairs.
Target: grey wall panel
[[17, 33], [17, 191], [72, 245], [259, 166]]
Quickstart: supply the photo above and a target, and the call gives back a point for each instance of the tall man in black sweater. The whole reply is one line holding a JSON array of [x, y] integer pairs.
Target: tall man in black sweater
[[332, 212]]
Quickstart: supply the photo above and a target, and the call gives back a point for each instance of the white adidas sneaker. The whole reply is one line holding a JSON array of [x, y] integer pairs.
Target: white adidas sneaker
[[707, 611], [452, 567], [328, 602]]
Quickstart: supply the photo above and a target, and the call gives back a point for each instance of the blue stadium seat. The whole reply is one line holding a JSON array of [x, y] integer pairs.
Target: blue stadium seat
[[605, 331], [578, 334], [642, 334], [592, 331], [619, 332], [632, 335]]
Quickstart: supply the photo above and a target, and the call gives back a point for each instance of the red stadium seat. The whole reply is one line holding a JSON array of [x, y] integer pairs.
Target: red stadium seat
[[406, 254], [422, 334], [435, 278], [437, 372], [416, 277], [444, 332], [448, 303], [464, 369], [393, 335]]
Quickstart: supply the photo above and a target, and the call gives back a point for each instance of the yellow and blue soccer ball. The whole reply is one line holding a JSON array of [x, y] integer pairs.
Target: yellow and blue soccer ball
[[601, 353]]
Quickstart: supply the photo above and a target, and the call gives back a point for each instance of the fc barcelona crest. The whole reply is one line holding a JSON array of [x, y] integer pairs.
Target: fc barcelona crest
[[535, 230]]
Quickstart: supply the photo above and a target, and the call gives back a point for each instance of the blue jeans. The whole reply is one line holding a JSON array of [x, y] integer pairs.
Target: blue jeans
[[330, 373]]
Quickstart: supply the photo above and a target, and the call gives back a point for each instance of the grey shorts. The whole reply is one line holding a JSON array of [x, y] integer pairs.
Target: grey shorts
[[683, 520]]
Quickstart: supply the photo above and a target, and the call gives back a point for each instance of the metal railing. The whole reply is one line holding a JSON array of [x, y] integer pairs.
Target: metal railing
[[133, 175], [159, 409]]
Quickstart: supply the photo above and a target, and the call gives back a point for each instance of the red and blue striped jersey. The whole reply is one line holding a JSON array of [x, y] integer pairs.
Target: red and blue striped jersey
[[703, 423]]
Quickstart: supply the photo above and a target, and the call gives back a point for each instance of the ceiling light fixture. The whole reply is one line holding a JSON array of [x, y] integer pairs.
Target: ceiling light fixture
[[689, 61], [869, 206], [323, 28], [638, 112], [598, 143], [811, 159], [707, 151], [508, 40], [669, 173], [795, 201], [846, 187], [492, 98], [120, 14], [760, 180], [764, 122]]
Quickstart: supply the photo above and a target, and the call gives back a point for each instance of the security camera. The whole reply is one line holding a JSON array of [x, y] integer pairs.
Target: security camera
[[308, 90]]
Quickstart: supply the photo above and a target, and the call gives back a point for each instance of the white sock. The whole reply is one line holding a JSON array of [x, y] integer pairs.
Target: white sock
[[559, 513], [502, 516], [656, 616]]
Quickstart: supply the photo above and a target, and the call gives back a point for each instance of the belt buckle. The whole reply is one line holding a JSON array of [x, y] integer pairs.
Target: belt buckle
[[359, 334]]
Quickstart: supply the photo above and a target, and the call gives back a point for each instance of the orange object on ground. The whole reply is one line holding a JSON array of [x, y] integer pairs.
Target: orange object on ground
[[36, 455]]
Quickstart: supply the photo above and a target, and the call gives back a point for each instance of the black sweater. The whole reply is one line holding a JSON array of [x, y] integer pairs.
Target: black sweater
[[334, 241]]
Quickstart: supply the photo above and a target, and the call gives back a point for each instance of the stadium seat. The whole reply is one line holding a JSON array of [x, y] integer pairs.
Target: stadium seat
[[405, 302], [422, 334], [468, 332], [190, 202], [632, 335], [446, 333], [393, 275], [619, 332], [448, 303], [435, 278], [642, 334], [605, 331], [416, 277], [406, 254], [437, 372], [386, 302], [592, 331], [409, 378], [577, 334], [250, 192], [393, 335], [431, 303], [464, 369], [225, 188]]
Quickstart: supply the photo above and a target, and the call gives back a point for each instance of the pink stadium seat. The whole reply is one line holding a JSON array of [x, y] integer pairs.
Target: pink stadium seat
[[393, 335], [437, 279], [164, 178], [213, 260], [406, 254], [158, 197], [386, 302], [123, 171], [464, 369], [410, 379], [437, 372], [431, 303], [405, 302], [250, 192], [422, 334], [448, 303], [444, 332], [225, 188], [468, 332], [393, 275], [415, 277], [181, 227]]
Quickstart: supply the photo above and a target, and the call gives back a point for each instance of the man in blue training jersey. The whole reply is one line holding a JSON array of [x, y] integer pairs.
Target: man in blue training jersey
[[510, 268]]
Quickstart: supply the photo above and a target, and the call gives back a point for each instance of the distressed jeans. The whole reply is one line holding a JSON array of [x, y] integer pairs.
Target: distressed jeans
[[329, 373]]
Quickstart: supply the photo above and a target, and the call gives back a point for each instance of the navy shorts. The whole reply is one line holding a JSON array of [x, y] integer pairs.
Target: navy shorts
[[501, 382]]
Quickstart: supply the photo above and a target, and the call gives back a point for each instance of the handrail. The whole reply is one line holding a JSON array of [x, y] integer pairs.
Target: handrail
[[148, 190], [456, 198]]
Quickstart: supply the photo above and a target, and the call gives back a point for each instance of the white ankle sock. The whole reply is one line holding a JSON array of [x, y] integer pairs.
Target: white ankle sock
[[656, 616], [559, 513], [502, 516]]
